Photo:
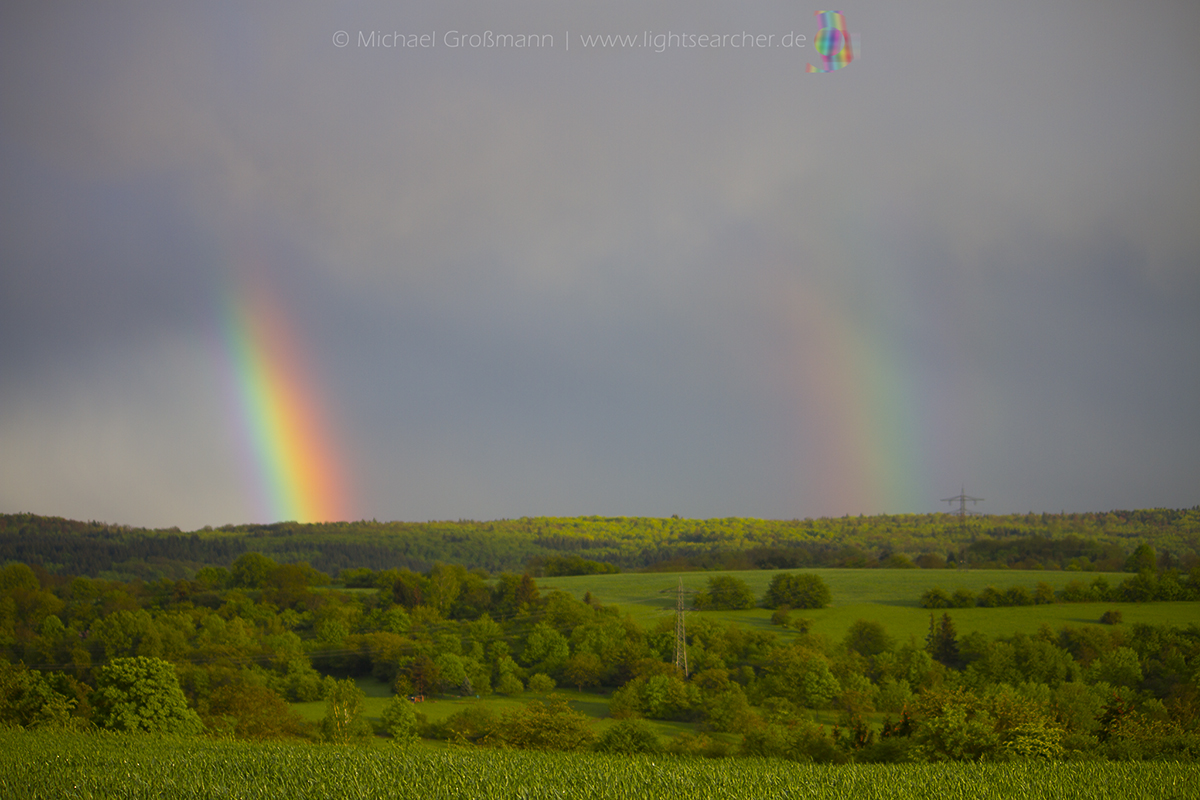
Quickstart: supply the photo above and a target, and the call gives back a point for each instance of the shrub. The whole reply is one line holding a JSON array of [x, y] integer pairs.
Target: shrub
[[509, 684], [962, 598], [935, 598], [142, 694], [629, 736], [549, 725], [541, 683], [802, 741], [254, 712], [990, 597], [401, 721], [1111, 617]]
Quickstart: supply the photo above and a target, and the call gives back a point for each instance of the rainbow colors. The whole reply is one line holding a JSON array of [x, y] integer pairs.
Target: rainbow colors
[[297, 466], [833, 42]]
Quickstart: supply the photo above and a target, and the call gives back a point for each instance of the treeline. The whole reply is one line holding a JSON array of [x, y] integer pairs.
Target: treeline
[[223, 652], [1141, 588], [1088, 542]]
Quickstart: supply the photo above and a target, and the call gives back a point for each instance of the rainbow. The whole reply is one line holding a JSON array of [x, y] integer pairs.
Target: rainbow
[[858, 398], [296, 463]]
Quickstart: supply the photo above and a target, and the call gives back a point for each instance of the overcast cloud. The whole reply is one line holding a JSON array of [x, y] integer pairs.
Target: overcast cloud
[[606, 281]]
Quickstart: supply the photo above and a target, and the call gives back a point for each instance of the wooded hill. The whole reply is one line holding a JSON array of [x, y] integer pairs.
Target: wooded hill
[[1087, 541]]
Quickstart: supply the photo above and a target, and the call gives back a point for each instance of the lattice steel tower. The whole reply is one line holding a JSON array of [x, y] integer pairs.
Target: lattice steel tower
[[680, 633]]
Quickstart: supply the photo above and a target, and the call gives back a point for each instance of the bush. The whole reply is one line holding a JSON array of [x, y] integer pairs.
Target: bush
[[254, 712], [1111, 617], [509, 684], [802, 741], [797, 590], [629, 736], [401, 720], [688, 744], [935, 598], [549, 725], [541, 684], [471, 725], [142, 694], [962, 598]]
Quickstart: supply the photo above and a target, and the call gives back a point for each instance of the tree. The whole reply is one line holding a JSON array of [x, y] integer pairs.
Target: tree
[[583, 669], [797, 590], [343, 721], [142, 694], [251, 570], [400, 720], [942, 641], [1143, 557], [725, 593], [545, 649], [867, 638]]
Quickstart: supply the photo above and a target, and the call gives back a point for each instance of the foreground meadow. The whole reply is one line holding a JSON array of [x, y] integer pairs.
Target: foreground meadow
[[61, 765]]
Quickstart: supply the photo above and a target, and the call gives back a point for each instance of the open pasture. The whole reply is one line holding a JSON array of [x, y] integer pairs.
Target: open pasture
[[890, 597]]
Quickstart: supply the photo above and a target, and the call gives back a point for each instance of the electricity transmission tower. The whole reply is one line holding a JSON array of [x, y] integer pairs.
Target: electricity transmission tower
[[962, 498], [680, 633], [681, 662]]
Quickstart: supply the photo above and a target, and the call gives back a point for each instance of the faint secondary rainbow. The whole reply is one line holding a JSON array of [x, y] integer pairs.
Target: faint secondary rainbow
[[858, 400], [297, 466]]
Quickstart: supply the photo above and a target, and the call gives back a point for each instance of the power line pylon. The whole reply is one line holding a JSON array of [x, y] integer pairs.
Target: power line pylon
[[680, 633], [962, 498]]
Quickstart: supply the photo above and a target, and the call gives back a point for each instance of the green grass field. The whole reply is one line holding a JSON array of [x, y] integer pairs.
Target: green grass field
[[890, 597], [37, 765]]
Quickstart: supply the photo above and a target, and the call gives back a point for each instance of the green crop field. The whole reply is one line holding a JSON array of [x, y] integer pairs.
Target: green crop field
[[37, 765], [890, 597]]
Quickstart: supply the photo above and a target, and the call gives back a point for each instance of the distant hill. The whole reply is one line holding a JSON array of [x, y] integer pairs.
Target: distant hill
[[1089, 541]]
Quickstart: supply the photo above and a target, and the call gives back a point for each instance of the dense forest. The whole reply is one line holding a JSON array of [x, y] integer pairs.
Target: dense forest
[[224, 652], [1090, 541]]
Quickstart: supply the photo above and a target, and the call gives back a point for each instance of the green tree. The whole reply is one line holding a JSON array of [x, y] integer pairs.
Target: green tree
[[251, 570], [1143, 557], [942, 641], [797, 590], [343, 721], [546, 650], [400, 720], [867, 638], [142, 694], [583, 669], [725, 593]]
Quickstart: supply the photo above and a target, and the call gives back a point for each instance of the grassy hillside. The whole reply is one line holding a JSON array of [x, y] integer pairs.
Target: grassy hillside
[[890, 597]]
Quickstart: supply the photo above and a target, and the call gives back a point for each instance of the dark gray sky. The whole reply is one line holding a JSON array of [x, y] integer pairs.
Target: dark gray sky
[[602, 280]]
